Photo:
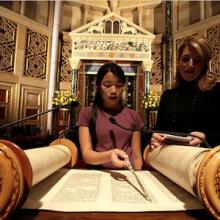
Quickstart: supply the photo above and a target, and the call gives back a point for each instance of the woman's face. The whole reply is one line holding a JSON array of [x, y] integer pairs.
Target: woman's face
[[191, 63], [111, 90]]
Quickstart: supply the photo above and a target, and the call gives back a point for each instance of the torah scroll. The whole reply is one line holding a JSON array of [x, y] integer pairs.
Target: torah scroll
[[195, 169], [20, 170]]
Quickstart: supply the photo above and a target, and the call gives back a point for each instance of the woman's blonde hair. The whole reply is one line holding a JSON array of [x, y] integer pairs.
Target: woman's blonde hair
[[202, 45]]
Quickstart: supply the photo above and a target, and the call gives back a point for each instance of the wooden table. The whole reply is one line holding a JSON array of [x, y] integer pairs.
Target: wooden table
[[50, 215]]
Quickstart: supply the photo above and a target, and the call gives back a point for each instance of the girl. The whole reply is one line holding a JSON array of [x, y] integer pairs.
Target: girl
[[104, 143]]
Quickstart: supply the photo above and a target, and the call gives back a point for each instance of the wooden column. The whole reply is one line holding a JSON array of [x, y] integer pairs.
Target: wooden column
[[169, 44], [54, 60]]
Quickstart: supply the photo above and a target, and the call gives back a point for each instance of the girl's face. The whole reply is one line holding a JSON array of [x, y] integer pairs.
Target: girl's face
[[111, 91], [191, 63]]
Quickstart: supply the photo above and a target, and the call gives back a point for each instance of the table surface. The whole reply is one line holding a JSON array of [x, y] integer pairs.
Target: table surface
[[23, 214]]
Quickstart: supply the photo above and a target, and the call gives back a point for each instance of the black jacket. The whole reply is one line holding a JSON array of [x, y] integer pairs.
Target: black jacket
[[186, 109]]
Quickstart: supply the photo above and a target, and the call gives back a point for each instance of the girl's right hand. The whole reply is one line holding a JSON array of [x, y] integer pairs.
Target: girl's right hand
[[118, 158], [157, 140]]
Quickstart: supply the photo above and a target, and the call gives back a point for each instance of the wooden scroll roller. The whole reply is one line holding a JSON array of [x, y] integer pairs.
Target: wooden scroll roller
[[195, 169], [20, 170]]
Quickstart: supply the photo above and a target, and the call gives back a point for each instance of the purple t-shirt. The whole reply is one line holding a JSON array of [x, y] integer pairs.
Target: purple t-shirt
[[108, 135]]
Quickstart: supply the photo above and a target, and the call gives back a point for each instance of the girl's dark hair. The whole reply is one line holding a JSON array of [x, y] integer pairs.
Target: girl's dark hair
[[97, 103]]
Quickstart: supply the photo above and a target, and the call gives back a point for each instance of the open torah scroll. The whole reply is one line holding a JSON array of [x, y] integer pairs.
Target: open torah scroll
[[100, 190]]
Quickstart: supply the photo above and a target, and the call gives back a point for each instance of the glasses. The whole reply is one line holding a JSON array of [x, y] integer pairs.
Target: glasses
[[196, 60]]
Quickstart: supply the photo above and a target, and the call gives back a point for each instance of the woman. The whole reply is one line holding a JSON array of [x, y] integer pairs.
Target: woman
[[102, 142], [193, 105]]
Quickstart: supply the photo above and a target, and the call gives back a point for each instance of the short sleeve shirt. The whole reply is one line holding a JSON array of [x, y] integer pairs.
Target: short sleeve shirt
[[109, 135]]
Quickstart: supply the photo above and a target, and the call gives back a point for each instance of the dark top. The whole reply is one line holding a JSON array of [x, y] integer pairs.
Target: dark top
[[186, 109]]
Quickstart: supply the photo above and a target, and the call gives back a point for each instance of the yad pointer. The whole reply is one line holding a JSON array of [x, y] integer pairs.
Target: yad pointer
[[138, 180]]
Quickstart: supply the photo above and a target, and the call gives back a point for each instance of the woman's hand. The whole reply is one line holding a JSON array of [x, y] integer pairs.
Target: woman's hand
[[118, 158], [157, 140], [197, 141]]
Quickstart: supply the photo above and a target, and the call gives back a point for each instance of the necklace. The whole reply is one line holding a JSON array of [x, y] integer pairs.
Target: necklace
[[191, 108]]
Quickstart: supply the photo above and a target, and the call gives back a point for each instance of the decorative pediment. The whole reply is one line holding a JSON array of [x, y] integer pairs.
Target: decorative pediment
[[112, 37], [112, 24]]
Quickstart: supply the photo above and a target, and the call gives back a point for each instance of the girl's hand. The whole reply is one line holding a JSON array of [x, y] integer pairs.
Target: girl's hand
[[196, 141], [157, 140], [118, 158]]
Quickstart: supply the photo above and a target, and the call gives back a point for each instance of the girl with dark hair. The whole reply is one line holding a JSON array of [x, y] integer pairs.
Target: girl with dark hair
[[101, 142], [193, 105]]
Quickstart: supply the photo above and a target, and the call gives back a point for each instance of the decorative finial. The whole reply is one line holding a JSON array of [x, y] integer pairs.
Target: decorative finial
[[113, 4]]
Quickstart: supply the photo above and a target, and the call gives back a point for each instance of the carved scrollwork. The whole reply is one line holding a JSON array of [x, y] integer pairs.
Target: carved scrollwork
[[36, 55], [213, 34], [8, 30], [157, 71], [65, 67], [208, 181], [11, 187], [125, 45], [217, 183]]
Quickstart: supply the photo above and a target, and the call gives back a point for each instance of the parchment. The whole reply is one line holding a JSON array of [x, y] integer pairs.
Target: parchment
[[46, 160], [78, 190], [178, 163]]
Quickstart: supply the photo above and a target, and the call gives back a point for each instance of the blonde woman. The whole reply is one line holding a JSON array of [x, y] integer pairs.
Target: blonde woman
[[192, 105]]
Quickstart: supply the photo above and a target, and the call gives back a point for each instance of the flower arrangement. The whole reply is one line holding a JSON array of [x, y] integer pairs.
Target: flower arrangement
[[151, 101], [63, 97]]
